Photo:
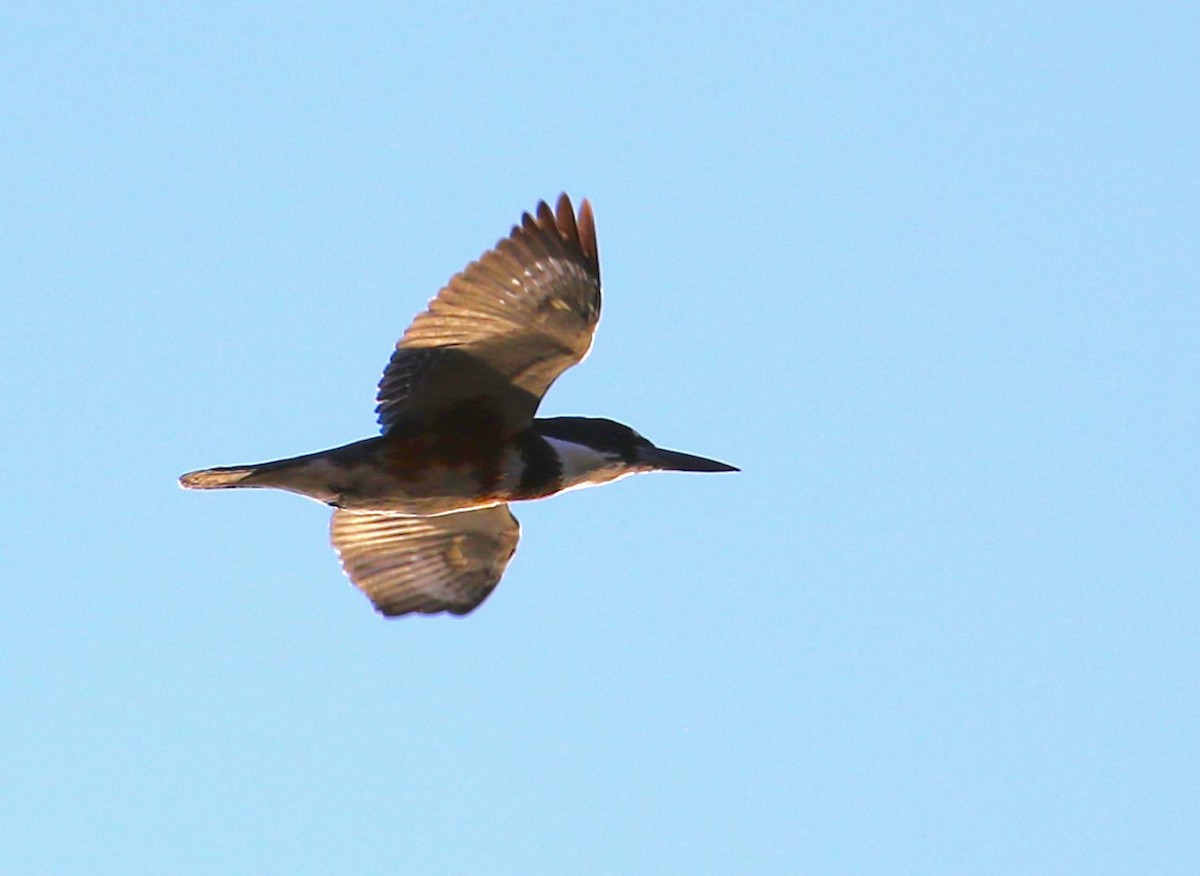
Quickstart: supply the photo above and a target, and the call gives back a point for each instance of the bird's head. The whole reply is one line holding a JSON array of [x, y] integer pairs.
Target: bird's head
[[592, 450]]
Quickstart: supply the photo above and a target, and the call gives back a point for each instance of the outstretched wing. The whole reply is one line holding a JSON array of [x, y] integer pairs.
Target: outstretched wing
[[500, 332], [426, 564]]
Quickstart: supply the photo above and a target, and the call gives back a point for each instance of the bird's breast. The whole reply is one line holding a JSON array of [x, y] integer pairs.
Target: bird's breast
[[460, 460]]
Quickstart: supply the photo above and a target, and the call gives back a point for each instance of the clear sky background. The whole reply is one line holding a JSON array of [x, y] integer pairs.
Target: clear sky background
[[927, 272]]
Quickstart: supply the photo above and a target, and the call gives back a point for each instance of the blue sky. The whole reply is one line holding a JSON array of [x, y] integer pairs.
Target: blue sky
[[928, 273]]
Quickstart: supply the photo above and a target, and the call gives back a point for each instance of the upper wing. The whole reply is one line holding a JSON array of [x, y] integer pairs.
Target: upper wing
[[426, 564], [504, 328]]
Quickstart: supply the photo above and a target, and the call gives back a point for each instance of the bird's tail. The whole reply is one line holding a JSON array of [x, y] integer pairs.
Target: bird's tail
[[217, 478], [310, 475], [323, 476]]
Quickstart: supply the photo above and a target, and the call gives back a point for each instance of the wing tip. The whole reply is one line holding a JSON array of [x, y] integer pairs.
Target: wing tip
[[577, 226], [586, 223]]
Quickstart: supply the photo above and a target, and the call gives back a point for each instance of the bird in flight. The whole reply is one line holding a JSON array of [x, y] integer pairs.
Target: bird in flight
[[421, 521]]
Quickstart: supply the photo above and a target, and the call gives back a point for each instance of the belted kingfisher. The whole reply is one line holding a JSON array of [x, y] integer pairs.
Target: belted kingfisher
[[421, 520]]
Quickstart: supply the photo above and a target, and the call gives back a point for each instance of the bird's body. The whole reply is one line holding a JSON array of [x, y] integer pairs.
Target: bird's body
[[422, 523], [413, 476]]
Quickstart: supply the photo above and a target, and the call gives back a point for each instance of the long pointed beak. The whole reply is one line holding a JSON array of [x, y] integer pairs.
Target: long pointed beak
[[673, 460]]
